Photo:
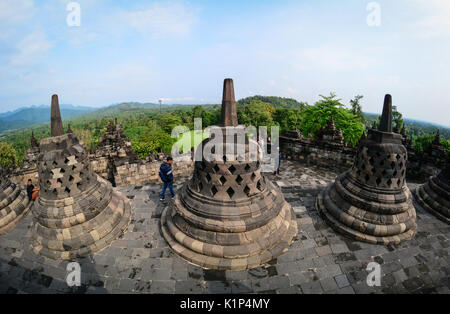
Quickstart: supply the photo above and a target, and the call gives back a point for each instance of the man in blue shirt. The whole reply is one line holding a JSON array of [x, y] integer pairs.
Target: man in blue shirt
[[166, 175]]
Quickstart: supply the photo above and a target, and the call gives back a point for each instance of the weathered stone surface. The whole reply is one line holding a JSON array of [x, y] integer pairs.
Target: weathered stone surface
[[142, 257], [371, 202], [142, 173], [77, 213], [14, 204], [229, 112], [114, 144], [434, 196], [331, 134], [28, 170], [329, 152], [56, 122], [229, 216]]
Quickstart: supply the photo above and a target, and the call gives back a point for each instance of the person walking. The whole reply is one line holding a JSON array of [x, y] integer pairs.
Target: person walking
[[277, 171], [166, 175]]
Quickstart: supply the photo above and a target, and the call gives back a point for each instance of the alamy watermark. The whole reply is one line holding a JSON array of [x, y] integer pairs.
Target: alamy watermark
[[73, 278], [374, 277], [374, 17], [228, 144], [74, 17]]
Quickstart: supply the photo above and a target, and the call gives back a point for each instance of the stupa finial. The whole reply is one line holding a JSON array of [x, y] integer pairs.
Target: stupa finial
[[386, 118], [56, 122], [229, 112]]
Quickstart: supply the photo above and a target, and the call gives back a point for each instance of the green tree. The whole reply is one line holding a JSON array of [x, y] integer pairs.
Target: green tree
[[317, 116], [256, 113], [421, 143], [288, 119], [8, 157], [169, 122], [357, 108]]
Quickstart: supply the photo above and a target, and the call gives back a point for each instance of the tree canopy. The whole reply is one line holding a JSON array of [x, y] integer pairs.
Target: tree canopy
[[317, 116], [8, 157]]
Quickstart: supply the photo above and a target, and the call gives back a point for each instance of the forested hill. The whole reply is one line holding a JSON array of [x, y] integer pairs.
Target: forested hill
[[276, 102], [418, 128], [150, 126], [25, 117]]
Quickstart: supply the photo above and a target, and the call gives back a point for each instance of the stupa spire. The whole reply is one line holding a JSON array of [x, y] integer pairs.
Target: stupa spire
[[229, 112], [386, 118], [56, 122]]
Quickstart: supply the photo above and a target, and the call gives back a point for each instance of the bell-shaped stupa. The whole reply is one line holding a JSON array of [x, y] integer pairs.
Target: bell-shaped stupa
[[434, 196], [14, 203], [77, 213], [371, 201], [229, 216]]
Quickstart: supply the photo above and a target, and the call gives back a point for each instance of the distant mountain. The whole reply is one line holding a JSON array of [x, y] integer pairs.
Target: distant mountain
[[417, 127], [276, 102], [126, 107], [28, 116]]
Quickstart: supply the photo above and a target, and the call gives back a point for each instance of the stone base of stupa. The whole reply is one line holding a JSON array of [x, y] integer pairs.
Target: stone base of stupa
[[14, 206], [368, 215], [244, 235], [434, 197], [78, 227]]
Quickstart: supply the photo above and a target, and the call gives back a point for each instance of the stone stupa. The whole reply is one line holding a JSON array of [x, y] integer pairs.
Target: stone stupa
[[14, 203], [434, 196], [229, 216], [371, 201], [77, 213], [29, 166]]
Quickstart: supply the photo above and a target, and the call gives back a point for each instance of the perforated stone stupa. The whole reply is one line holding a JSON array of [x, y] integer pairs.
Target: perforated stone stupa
[[14, 204], [371, 201], [331, 134], [31, 157], [434, 196], [229, 216], [77, 213], [115, 144]]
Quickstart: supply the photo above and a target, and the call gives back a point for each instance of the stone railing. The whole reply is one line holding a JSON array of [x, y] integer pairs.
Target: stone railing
[[420, 167], [143, 173], [320, 153]]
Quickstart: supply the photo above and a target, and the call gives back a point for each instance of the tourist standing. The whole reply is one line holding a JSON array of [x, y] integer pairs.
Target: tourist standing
[[30, 188], [166, 175]]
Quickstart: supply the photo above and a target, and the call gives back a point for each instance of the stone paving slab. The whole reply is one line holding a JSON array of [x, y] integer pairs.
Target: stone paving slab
[[319, 260]]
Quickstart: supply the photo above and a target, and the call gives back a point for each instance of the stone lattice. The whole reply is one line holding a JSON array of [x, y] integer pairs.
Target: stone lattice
[[77, 213], [371, 202], [229, 216], [434, 196], [14, 204]]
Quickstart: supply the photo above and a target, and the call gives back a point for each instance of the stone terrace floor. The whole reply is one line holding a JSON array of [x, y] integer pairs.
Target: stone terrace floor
[[319, 261]]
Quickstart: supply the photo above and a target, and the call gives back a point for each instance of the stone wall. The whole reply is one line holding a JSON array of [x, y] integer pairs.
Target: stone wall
[[22, 178], [323, 154], [100, 166], [140, 174], [420, 166]]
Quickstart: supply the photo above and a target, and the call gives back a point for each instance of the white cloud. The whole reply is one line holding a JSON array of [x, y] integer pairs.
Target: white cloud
[[17, 11], [161, 20], [13, 14], [179, 99], [435, 21], [80, 37], [30, 48], [332, 59]]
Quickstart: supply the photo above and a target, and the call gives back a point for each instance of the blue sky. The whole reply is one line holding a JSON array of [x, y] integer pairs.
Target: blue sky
[[181, 51]]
